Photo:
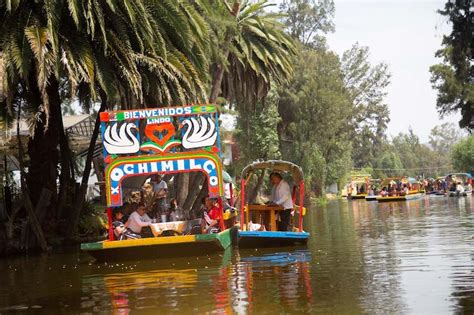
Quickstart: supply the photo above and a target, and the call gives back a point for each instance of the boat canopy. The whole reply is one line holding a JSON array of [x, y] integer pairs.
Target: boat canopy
[[275, 165]]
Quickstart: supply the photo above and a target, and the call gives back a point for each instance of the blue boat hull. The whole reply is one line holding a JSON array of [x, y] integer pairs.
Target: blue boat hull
[[255, 239]]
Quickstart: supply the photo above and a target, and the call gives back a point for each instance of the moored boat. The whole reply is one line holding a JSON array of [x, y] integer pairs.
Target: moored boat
[[265, 233], [142, 143]]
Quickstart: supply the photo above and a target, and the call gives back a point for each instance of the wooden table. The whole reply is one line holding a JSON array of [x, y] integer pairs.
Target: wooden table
[[263, 209], [158, 228]]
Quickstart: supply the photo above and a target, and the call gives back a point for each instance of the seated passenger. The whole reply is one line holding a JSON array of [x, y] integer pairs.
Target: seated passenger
[[459, 188], [211, 215], [371, 191], [174, 210], [139, 219], [123, 233], [383, 192]]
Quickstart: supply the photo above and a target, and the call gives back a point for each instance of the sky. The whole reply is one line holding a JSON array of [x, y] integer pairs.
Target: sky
[[405, 35]]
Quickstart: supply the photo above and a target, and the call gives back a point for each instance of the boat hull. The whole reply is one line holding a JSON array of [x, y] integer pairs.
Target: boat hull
[[399, 198], [159, 247], [371, 198], [356, 197], [456, 194], [255, 239]]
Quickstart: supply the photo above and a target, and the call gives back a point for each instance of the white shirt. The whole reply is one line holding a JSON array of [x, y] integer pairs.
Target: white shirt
[[136, 222], [158, 186], [281, 195]]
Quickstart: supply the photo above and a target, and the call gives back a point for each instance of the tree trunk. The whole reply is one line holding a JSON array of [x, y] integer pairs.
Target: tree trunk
[[182, 187], [78, 204], [37, 230], [43, 153], [197, 180]]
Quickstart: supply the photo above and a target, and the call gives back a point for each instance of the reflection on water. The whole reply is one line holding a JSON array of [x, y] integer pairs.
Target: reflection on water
[[363, 257]]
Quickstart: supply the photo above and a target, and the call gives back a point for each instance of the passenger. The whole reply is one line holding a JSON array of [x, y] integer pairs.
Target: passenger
[[121, 232], [174, 211], [383, 192], [119, 215], [371, 191], [211, 215], [138, 220], [405, 190], [161, 192], [460, 188]]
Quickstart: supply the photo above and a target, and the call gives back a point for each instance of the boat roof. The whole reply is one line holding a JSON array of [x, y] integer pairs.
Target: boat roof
[[468, 175], [275, 165]]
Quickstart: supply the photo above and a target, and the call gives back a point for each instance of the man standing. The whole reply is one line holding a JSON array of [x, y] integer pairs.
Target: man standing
[[281, 195], [161, 191]]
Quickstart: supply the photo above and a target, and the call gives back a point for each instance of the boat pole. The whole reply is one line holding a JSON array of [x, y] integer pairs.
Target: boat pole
[[111, 228], [301, 206], [242, 204]]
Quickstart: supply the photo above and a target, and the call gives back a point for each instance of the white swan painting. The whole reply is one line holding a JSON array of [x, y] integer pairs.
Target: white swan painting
[[121, 142], [200, 133]]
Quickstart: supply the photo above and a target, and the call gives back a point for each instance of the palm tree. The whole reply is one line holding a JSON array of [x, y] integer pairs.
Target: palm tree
[[253, 51], [121, 52]]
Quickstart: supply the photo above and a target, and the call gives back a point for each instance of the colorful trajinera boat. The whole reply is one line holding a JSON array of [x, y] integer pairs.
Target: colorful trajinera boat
[[415, 190], [265, 215], [140, 143], [358, 186], [459, 184]]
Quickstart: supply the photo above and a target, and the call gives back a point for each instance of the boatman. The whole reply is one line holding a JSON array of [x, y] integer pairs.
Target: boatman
[[281, 195]]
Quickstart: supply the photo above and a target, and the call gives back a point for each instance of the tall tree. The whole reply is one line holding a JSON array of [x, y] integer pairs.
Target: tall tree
[[133, 53], [309, 20], [315, 109], [366, 84], [463, 155], [454, 77]]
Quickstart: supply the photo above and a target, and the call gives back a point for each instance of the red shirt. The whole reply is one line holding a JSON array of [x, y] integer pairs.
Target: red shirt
[[215, 213]]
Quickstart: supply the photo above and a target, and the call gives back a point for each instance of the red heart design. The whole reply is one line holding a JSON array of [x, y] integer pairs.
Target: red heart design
[[166, 130]]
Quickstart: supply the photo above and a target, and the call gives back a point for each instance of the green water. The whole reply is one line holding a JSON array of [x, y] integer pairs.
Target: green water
[[363, 257]]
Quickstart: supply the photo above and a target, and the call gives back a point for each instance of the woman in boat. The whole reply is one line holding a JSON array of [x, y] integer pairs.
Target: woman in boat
[[383, 192], [211, 216]]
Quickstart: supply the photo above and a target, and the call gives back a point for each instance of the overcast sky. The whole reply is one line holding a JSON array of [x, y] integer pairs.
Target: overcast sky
[[404, 34]]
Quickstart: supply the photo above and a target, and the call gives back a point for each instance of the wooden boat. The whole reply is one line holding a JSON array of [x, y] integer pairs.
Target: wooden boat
[[464, 179], [371, 198], [356, 181], [159, 247], [410, 196], [132, 157], [271, 237]]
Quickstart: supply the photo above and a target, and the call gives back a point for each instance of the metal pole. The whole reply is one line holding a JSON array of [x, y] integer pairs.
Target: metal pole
[[242, 204]]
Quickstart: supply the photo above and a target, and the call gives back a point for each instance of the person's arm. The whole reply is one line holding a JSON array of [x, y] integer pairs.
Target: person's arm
[[135, 217], [285, 192]]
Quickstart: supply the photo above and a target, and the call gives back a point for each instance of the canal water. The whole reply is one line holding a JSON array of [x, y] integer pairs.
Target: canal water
[[363, 257]]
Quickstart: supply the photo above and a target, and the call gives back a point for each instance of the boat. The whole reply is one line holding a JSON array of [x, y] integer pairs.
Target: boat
[[371, 198], [415, 190], [140, 143], [454, 179], [358, 186], [399, 198], [267, 235]]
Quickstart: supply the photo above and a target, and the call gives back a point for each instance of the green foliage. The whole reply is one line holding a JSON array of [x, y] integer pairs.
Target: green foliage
[[454, 77], [250, 47], [257, 132], [307, 19], [314, 108], [366, 86], [463, 155]]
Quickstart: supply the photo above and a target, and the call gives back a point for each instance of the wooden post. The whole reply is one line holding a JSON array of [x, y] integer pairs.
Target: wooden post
[[242, 204], [300, 227], [110, 220]]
